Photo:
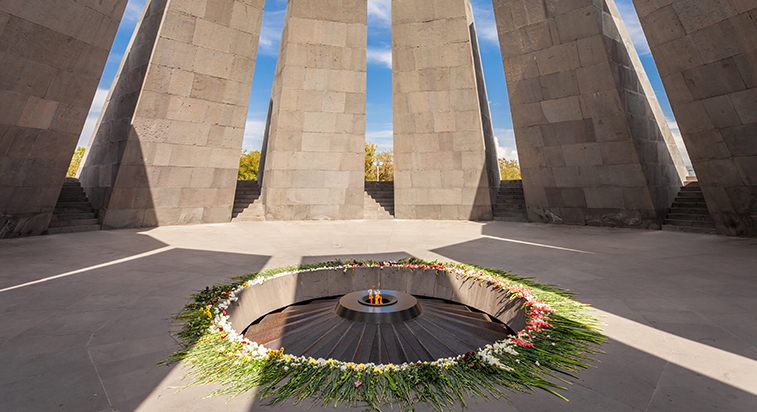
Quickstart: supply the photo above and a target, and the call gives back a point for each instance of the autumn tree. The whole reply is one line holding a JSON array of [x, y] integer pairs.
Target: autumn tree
[[509, 169], [386, 163], [370, 156], [249, 163], [75, 162]]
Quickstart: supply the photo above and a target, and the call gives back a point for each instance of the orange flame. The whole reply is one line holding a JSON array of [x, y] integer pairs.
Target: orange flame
[[374, 297]]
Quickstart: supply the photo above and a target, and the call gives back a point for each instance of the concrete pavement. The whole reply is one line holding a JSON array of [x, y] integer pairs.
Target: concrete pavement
[[85, 318]]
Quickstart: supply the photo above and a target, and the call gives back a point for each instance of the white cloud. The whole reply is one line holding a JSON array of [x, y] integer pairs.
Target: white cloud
[[631, 21], [673, 125], [94, 114], [384, 139], [504, 139], [270, 32], [380, 56], [380, 12], [486, 26], [133, 11], [253, 134]]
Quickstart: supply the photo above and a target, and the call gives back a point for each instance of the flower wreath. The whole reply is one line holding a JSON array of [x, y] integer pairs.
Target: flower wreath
[[558, 338]]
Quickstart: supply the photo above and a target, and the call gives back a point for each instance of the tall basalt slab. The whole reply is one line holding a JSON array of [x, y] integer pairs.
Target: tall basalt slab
[[166, 147], [706, 53], [593, 143], [52, 54], [314, 147], [444, 152]]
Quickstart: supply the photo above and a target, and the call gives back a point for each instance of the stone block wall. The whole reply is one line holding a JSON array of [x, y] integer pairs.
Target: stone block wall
[[52, 54], [445, 160], [593, 144], [314, 148], [706, 53], [166, 150]]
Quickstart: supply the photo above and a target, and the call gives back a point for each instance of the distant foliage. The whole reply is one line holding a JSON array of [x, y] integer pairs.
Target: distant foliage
[[75, 162], [386, 167], [509, 169], [370, 160], [386, 163], [249, 163]]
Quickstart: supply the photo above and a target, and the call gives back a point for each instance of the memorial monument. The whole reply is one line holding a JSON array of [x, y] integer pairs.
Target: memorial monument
[[594, 146]]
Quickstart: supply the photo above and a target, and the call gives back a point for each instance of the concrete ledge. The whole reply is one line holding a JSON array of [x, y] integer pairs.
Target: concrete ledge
[[280, 292]]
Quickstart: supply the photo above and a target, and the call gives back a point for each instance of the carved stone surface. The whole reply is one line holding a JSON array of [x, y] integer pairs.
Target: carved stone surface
[[52, 55], [593, 143], [313, 167], [444, 154], [166, 147], [706, 52]]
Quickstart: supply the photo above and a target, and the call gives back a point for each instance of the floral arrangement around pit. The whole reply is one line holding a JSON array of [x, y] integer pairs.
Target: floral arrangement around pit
[[558, 340]]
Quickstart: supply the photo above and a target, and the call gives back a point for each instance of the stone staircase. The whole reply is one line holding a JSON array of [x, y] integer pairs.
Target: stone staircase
[[689, 212], [379, 200], [73, 212], [247, 204], [510, 205]]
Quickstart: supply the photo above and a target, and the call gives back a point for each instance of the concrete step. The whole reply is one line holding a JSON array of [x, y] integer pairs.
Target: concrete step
[[690, 223], [68, 211], [73, 205], [688, 200], [690, 216], [690, 210], [510, 183], [246, 198], [72, 229], [689, 229], [72, 222], [510, 219], [73, 216]]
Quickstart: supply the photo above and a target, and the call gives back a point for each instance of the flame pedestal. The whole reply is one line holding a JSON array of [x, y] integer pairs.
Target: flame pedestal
[[395, 307]]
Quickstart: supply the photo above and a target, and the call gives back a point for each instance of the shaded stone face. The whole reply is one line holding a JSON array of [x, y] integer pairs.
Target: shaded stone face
[[51, 58], [166, 150], [593, 144], [445, 160], [706, 52], [315, 139]]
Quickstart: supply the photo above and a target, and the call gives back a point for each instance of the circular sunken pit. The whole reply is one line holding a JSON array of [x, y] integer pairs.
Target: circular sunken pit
[[378, 306], [465, 325]]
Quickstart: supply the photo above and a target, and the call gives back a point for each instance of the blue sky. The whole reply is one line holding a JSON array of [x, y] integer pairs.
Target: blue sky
[[379, 88]]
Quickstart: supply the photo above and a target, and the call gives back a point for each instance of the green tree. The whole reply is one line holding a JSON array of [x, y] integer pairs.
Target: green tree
[[249, 163], [75, 162], [509, 169]]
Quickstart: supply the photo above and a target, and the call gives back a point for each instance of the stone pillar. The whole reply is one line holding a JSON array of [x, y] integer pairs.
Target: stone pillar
[[52, 54], [167, 145], [706, 53], [593, 143], [445, 157], [315, 141]]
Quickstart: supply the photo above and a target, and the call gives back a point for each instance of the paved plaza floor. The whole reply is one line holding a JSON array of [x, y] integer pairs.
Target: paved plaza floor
[[85, 318]]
